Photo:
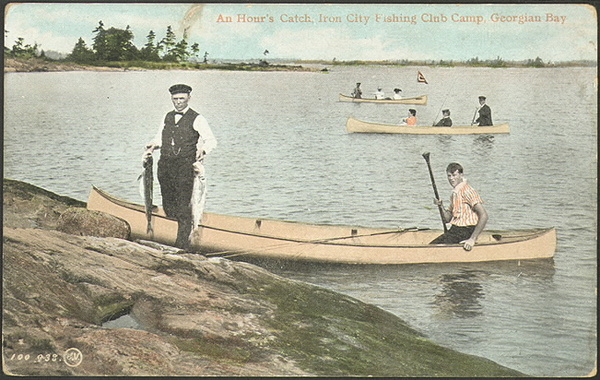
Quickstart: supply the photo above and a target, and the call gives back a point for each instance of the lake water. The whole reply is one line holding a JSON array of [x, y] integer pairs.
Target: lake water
[[284, 153]]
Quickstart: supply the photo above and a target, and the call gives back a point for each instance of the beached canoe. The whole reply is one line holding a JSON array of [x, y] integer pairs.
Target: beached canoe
[[268, 238], [418, 100], [357, 126]]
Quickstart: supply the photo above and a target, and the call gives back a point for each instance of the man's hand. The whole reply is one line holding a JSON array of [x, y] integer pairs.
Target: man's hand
[[468, 244], [147, 154], [198, 168]]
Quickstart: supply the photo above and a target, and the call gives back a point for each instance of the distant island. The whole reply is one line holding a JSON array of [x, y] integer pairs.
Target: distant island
[[41, 64]]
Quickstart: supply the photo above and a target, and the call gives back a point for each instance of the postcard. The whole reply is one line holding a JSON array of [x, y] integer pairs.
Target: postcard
[[265, 189]]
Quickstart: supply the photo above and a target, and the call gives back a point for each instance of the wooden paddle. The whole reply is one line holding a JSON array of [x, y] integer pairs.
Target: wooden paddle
[[475, 116], [435, 192]]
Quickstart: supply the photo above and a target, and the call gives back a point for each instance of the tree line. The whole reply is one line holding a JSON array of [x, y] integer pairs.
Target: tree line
[[114, 44]]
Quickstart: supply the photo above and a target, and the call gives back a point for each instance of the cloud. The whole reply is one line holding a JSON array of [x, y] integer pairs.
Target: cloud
[[329, 43]]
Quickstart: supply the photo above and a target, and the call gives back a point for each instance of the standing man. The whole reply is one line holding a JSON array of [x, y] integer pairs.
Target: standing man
[[184, 138], [466, 213], [485, 114]]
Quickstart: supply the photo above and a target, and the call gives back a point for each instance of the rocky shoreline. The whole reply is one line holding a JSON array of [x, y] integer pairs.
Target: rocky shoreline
[[68, 270], [40, 65]]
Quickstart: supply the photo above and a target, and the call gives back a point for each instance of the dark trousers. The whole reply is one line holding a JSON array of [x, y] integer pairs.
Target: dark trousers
[[176, 178], [454, 235]]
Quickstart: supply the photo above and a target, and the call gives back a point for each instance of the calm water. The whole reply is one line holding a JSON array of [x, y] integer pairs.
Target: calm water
[[283, 153]]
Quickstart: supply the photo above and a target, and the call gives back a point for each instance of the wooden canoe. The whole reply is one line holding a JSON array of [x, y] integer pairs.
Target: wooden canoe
[[357, 126], [418, 100], [268, 238]]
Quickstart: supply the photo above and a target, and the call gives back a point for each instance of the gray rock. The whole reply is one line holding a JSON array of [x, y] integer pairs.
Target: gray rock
[[80, 221]]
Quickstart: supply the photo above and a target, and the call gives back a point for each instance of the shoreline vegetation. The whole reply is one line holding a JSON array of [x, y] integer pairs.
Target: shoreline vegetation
[[42, 64]]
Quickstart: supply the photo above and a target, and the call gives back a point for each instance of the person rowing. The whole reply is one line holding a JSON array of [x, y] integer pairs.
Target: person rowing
[[397, 94], [357, 92], [466, 213]]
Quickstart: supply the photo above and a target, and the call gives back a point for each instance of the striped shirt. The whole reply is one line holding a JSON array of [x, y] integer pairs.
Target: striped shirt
[[463, 199]]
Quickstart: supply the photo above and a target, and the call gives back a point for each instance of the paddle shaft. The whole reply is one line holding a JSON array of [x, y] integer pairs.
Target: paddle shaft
[[435, 191]]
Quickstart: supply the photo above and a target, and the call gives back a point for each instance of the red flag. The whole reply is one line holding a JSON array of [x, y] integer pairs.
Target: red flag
[[421, 78]]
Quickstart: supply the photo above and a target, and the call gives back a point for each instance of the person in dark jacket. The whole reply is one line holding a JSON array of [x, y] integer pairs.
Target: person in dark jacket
[[445, 121], [485, 114], [184, 139]]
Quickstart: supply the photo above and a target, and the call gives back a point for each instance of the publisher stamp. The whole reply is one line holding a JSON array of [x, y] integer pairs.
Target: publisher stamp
[[72, 357]]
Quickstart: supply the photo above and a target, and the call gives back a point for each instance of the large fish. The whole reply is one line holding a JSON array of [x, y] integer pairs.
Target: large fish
[[146, 190], [198, 198]]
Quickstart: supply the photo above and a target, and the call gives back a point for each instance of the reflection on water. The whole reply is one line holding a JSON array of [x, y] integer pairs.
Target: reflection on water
[[483, 144], [459, 295]]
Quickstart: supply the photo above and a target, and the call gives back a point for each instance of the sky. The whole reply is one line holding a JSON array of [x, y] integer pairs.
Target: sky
[[557, 32]]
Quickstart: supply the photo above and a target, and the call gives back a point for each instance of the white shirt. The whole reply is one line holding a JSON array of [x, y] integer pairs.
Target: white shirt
[[206, 142]]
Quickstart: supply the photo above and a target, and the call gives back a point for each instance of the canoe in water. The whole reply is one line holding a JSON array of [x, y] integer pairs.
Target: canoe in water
[[268, 238], [357, 126], [418, 100]]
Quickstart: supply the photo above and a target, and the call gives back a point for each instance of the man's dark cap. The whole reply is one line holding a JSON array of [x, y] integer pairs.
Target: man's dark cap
[[482, 98], [446, 111], [180, 89]]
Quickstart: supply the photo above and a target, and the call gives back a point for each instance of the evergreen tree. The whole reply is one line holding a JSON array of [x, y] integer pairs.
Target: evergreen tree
[[114, 44], [150, 50], [195, 50], [180, 51], [167, 45], [22, 50], [81, 53], [119, 44], [100, 44]]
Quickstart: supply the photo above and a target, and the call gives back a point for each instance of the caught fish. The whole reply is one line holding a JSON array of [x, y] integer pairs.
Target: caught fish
[[146, 190], [198, 198]]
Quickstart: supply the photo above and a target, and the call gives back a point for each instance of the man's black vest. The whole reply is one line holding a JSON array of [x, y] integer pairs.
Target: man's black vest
[[179, 139]]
